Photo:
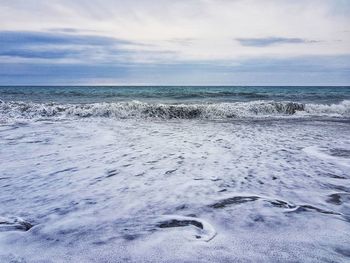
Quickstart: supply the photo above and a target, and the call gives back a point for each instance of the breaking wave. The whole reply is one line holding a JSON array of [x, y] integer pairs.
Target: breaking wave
[[142, 110]]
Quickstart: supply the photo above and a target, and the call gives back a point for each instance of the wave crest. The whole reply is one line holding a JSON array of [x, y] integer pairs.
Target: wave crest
[[136, 109]]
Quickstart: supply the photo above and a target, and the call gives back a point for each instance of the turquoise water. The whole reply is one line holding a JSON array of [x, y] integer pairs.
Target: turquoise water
[[189, 94]]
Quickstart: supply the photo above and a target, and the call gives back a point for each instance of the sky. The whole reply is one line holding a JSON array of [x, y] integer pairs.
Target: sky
[[175, 42]]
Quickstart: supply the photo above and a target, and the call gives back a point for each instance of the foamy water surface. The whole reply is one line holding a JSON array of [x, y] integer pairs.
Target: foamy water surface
[[248, 181]]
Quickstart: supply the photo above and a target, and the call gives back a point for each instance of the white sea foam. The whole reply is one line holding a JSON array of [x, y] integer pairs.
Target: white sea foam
[[325, 154], [341, 109], [111, 190]]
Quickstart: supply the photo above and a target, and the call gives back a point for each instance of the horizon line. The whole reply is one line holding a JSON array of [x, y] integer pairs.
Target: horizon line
[[169, 85]]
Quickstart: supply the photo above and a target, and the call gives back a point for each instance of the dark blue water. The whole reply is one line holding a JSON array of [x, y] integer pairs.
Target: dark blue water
[[167, 94]]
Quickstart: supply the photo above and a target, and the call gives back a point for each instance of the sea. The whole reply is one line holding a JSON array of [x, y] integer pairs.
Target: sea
[[174, 174]]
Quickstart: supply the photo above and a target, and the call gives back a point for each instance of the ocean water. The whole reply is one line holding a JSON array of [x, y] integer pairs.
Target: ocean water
[[174, 174]]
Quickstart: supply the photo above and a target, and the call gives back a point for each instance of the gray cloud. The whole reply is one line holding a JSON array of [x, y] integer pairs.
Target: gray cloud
[[67, 43], [27, 38], [268, 41]]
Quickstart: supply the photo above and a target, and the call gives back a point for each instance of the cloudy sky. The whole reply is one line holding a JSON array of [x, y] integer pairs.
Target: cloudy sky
[[175, 42]]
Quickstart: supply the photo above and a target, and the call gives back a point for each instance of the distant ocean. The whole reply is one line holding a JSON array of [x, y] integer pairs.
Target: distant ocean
[[136, 173]]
